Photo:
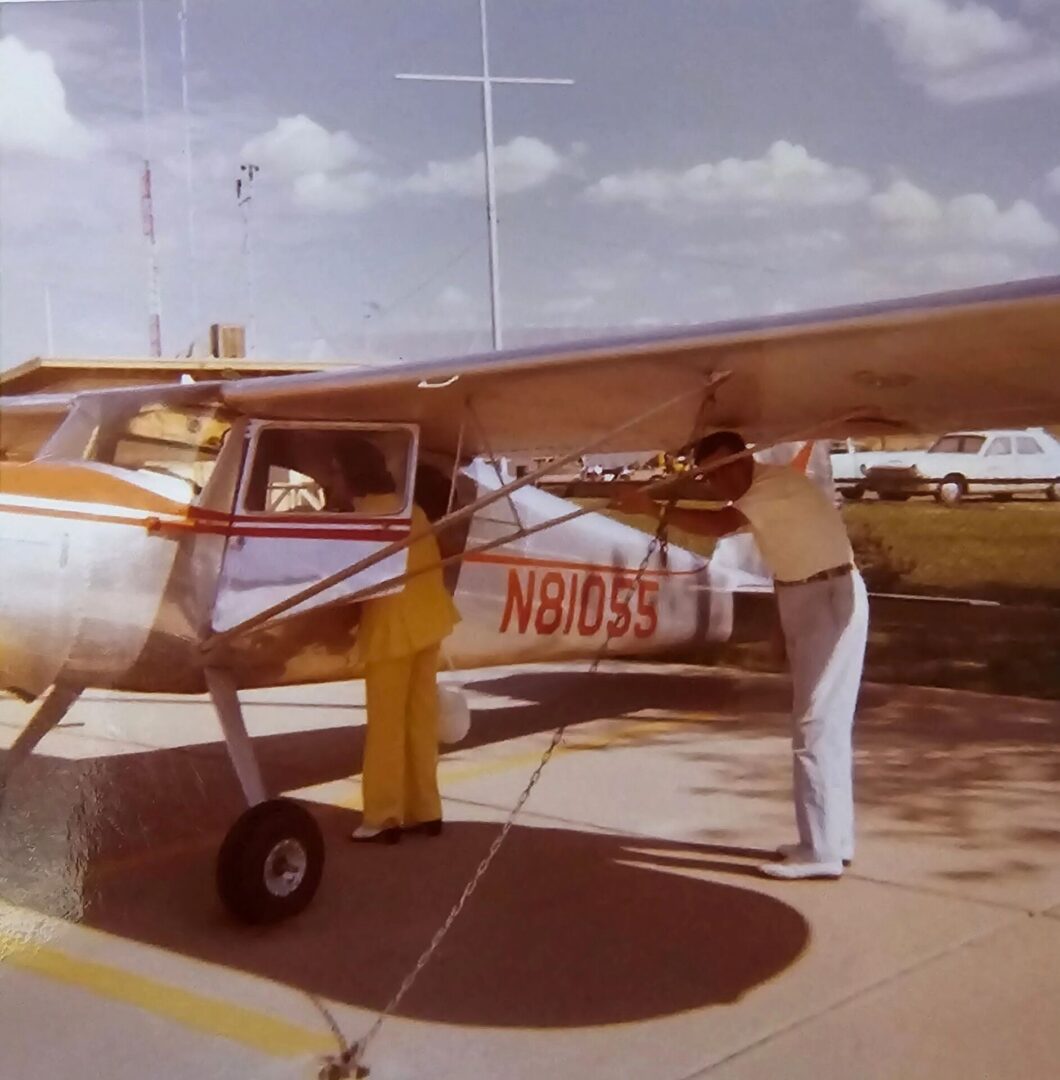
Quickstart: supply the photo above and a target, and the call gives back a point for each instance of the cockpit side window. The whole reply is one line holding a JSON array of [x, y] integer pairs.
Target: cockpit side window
[[327, 470]]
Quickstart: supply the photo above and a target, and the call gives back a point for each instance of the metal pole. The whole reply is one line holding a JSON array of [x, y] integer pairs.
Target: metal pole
[[491, 183], [154, 293], [189, 162], [486, 80], [48, 319], [245, 196]]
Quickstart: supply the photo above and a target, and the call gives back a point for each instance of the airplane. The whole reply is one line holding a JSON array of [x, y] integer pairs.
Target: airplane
[[193, 538]]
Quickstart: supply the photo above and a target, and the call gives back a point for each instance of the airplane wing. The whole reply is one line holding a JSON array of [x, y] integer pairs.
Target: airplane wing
[[987, 357]]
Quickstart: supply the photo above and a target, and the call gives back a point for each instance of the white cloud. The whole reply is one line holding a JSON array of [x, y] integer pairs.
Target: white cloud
[[965, 52], [937, 36], [33, 113], [345, 194], [787, 175], [1013, 78], [523, 163], [1053, 180], [974, 218], [298, 146], [909, 208]]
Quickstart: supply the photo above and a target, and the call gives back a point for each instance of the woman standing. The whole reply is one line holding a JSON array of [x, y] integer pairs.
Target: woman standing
[[399, 638]]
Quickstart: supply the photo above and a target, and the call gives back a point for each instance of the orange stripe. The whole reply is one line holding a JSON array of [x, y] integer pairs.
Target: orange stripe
[[801, 461], [218, 527], [559, 564], [82, 482]]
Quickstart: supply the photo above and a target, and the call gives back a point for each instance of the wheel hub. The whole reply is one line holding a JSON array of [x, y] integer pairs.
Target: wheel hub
[[285, 867]]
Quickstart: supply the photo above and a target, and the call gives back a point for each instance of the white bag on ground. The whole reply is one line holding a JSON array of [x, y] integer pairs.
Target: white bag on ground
[[454, 716]]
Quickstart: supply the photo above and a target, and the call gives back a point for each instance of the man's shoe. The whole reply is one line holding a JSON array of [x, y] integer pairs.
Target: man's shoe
[[426, 828], [374, 834], [802, 866], [788, 851]]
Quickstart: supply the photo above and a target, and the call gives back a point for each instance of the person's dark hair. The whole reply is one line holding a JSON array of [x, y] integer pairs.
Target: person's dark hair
[[729, 441], [366, 469]]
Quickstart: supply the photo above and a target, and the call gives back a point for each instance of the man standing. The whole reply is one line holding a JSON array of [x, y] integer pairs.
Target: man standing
[[824, 616]]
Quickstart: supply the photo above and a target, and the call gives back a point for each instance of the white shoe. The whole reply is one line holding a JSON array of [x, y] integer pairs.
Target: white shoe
[[801, 866], [789, 851]]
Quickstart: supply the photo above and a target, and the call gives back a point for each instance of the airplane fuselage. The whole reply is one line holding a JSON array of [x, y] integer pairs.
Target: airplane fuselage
[[110, 576]]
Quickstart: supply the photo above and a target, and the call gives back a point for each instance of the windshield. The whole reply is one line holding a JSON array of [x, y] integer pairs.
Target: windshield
[[182, 442], [958, 444]]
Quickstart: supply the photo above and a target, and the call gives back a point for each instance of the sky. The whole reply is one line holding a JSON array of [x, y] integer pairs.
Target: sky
[[713, 159]]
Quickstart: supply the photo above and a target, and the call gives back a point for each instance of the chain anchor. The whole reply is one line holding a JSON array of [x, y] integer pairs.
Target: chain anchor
[[345, 1065]]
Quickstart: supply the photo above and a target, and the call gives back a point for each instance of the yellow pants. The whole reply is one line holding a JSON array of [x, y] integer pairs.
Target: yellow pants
[[400, 776]]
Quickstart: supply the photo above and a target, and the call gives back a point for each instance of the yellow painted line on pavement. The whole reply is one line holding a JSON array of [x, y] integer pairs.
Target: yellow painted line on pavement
[[198, 1012]]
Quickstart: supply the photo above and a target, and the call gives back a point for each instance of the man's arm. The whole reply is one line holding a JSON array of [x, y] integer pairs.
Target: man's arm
[[698, 522]]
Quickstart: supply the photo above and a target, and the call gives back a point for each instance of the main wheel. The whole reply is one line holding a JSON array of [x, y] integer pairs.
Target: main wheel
[[951, 490], [895, 496], [853, 494], [1052, 492], [270, 864]]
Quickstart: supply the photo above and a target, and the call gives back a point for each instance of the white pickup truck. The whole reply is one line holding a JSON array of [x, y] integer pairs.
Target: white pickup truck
[[961, 463]]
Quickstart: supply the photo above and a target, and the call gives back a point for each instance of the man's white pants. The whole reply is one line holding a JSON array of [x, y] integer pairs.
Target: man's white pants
[[825, 626]]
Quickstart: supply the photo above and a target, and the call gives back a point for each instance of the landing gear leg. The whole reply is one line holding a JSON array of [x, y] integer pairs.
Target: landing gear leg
[[270, 864], [225, 699], [49, 714]]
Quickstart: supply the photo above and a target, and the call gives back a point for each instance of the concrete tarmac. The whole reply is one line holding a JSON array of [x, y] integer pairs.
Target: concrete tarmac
[[622, 932]]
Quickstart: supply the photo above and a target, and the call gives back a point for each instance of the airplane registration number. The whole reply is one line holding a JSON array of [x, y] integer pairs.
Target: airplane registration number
[[574, 602]]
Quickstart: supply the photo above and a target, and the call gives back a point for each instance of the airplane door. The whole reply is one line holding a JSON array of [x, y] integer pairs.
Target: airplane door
[[314, 498]]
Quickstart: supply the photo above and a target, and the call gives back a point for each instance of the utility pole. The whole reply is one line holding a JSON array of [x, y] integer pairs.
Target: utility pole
[[154, 290], [486, 80], [244, 195]]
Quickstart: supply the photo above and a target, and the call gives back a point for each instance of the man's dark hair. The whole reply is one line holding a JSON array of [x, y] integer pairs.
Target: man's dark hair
[[729, 441]]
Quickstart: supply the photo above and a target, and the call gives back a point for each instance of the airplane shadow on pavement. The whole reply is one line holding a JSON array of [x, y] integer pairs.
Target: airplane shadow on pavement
[[567, 929]]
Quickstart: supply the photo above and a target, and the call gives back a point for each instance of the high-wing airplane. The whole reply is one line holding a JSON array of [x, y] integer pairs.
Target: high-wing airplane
[[197, 538]]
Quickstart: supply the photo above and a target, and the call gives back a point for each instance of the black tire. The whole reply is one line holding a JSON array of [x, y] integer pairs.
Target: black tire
[[853, 494], [271, 862], [895, 496], [951, 490], [1052, 492]]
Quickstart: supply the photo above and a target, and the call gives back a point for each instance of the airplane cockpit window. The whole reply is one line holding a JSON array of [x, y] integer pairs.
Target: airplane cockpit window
[[181, 441], [328, 471]]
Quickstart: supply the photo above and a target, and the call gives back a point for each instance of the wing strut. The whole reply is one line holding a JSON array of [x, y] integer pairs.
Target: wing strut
[[503, 492]]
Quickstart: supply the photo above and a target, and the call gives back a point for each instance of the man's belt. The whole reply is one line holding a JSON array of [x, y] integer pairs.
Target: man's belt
[[824, 575]]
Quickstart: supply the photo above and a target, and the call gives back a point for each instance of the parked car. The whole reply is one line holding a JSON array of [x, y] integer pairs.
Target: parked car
[[961, 463], [850, 461]]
